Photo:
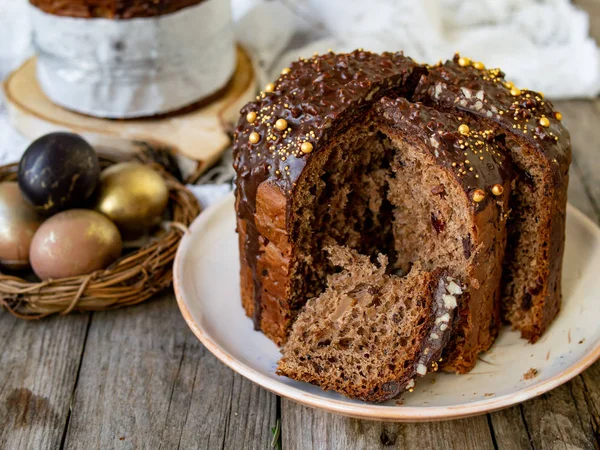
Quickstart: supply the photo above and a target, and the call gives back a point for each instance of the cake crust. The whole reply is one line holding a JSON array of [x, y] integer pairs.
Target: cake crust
[[112, 9]]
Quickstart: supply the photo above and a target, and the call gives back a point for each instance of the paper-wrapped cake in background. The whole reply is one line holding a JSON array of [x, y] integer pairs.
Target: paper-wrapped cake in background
[[135, 58]]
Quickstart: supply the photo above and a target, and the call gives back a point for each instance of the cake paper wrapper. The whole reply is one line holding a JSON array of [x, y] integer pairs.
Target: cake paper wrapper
[[134, 67]]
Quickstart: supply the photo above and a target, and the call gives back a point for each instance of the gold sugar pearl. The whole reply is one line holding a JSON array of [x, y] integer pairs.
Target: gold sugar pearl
[[281, 124], [508, 84], [497, 189], [515, 91], [251, 117], [286, 71], [306, 147], [464, 62], [269, 87], [254, 137], [463, 129], [479, 65], [478, 195], [558, 115], [544, 122]]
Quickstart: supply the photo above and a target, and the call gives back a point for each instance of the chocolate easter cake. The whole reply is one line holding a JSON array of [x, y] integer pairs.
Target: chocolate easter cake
[[447, 171]]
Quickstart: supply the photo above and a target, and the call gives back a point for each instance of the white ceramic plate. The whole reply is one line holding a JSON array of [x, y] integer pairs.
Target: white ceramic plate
[[206, 284]]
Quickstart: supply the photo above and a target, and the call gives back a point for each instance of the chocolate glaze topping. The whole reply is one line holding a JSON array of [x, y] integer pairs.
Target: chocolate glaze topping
[[470, 151], [524, 114], [317, 98]]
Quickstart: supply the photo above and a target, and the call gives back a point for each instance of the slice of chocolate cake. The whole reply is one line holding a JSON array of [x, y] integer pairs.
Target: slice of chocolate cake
[[541, 150], [369, 335], [449, 186]]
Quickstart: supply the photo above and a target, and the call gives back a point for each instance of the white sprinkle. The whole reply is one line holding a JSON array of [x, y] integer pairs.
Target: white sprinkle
[[434, 142], [493, 108], [410, 384], [443, 327], [421, 369], [449, 301], [454, 288], [438, 90], [466, 92], [478, 105], [479, 95], [434, 336], [444, 318]]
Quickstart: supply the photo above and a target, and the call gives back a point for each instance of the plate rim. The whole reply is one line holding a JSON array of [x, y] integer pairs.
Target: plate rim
[[365, 410]]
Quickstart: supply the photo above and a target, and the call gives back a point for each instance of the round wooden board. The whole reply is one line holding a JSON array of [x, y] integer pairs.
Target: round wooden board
[[197, 138]]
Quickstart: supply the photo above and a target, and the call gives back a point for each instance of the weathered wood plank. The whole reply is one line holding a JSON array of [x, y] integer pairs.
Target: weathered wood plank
[[583, 119], [560, 418], [592, 7], [582, 138], [252, 416], [510, 430], [591, 386], [147, 382], [38, 371], [311, 429], [578, 195]]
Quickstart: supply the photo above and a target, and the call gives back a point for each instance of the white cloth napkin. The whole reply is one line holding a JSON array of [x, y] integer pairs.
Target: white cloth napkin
[[540, 44]]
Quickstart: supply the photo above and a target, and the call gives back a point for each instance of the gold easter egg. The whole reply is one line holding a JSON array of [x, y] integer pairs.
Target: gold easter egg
[[133, 196], [18, 223], [74, 242]]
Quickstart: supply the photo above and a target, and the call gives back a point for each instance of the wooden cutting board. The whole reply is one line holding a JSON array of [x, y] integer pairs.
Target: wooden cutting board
[[197, 138]]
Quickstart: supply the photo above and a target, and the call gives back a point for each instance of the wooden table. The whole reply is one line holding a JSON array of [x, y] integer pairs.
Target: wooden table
[[137, 378]]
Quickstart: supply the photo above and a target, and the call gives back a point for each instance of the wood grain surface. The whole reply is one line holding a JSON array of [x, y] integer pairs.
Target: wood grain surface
[[137, 378]]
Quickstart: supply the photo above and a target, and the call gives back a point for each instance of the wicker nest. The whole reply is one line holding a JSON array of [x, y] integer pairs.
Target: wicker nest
[[135, 277]]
